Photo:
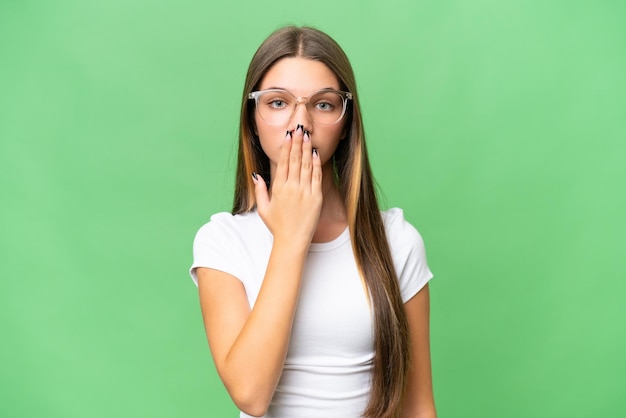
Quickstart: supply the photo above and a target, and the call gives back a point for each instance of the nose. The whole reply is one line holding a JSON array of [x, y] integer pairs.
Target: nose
[[301, 116]]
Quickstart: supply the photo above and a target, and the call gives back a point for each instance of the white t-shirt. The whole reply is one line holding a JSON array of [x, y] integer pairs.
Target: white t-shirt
[[329, 362]]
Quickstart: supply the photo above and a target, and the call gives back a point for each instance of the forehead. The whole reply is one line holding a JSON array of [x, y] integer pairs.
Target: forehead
[[300, 76]]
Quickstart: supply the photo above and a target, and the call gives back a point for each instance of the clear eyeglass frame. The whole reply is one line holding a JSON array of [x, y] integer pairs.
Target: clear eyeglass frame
[[345, 96]]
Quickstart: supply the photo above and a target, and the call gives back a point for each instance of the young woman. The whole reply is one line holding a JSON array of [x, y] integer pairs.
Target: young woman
[[315, 302]]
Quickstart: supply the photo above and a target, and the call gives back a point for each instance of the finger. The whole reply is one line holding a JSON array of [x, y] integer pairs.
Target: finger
[[282, 169], [260, 192], [307, 159], [316, 175], [295, 156]]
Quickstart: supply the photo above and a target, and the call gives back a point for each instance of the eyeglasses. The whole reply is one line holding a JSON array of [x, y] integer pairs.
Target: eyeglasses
[[277, 106]]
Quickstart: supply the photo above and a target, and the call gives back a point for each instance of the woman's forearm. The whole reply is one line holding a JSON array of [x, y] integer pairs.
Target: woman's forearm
[[253, 365]]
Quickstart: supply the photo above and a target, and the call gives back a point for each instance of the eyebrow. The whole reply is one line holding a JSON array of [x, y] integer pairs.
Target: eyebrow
[[287, 90]]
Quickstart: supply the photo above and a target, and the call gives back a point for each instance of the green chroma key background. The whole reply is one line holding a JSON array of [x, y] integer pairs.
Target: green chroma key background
[[498, 126]]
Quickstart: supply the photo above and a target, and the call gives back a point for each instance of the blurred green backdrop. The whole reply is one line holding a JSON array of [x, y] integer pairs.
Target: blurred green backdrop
[[499, 127]]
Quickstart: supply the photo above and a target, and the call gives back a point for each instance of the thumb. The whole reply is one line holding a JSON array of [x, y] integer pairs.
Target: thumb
[[260, 192]]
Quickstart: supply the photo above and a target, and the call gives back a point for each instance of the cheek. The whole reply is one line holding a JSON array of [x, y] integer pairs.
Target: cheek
[[327, 139], [271, 139]]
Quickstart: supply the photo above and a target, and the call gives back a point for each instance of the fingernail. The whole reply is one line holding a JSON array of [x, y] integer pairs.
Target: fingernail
[[299, 127], [254, 176], [307, 136], [315, 154], [289, 135]]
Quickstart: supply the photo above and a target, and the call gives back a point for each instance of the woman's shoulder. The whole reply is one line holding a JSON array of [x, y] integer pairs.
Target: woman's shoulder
[[230, 218], [399, 230], [223, 241], [392, 215], [407, 251], [226, 221]]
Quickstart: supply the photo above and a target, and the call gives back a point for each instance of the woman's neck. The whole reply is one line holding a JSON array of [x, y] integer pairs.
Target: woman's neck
[[333, 218]]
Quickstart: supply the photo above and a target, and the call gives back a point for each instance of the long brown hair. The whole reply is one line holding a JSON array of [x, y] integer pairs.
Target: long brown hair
[[354, 180]]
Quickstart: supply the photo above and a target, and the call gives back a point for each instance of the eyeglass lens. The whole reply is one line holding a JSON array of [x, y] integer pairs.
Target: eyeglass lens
[[276, 107]]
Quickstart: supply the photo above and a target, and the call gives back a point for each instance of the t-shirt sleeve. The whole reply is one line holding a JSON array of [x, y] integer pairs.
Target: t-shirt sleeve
[[408, 253], [214, 246]]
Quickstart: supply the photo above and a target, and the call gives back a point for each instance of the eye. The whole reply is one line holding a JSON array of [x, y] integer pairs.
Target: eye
[[324, 106], [327, 102], [273, 100], [277, 103]]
